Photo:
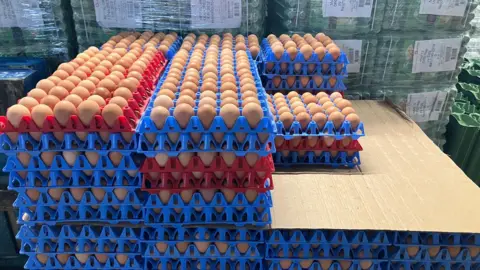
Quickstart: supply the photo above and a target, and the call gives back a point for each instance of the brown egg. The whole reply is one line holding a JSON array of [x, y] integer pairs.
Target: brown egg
[[40, 113], [45, 85], [228, 86], [107, 84], [206, 114], [80, 74], [103, 92], [68, 85], [136, 75], [80, 91], [324, 100], [287, 119], [253, 113], [74, 99], [304, 119], [248, 87], [94, 80], [123, 92], [335, 95], [327, 105], [188, 85], [99, 74], [28, 102], [330, 110], [353, 119], [342, 104], [335, 52], [208, 93], [207, 101], [183, 113], [106, 64], [50, 101], [228, 93], [167, 92], [16, 112], [248, 100], [186, 100], [120, 101], [188, 92], [315, 109], [63, 110], [163, 101], [299, 109], [229, 100], [87, 110], [61, 74], [54, 79], [320, 119], [59, 92], [110, 113], [129, 83], [67, 67], [98, 99], [230, 114], [348, 110], [113, 78], [74, 79], [336, 118], [159, 116]]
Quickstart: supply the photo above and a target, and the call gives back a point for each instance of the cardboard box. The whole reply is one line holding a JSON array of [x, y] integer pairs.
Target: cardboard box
[[405, 183]]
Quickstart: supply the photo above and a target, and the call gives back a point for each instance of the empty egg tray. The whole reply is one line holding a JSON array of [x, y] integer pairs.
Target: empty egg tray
[[310, 86], [244, 216], [267, 56], [128, 162], [132, 262], [294, 158]]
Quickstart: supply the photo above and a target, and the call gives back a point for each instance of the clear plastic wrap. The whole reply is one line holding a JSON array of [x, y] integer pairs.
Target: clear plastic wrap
[[397, 64], [410, 15], [35, 28], [94, 26]]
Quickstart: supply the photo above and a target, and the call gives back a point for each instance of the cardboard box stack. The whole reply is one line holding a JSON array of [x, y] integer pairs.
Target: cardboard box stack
[[71, 156], [208, 136]]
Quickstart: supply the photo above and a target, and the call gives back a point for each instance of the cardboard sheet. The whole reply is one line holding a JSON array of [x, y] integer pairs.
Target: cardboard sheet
[[405, 183]]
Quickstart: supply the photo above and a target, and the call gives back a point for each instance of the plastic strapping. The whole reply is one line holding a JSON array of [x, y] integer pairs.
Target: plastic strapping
[[388, 57], [298, 11], [84, 20], [365, 61], [373, 15], [394, 13], [465, 18], [248, 25]]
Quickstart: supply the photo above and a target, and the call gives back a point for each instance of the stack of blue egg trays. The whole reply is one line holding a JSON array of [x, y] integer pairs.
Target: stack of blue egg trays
[[285, 74], [183, 228]]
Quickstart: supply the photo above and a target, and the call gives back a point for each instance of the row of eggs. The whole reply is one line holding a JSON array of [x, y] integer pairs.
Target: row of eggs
[[146, 39], [320, 44]]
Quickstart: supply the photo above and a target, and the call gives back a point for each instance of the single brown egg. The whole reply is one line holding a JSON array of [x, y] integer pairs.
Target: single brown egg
[[324, 100], [87, 110], [45, 85], [74, 79], [183, 113], [54, 79], [299, 109], [63, 110], [103, 92], [28, 102], [229, 100], [159, 116], [40, 113], [188, 92], [94, 80], [186, 100], [99, 74], [354, 120], [230, 114], [253, 113], [107, 84], [110, 113], [50, 101], [123, 92], [15, 114], [348, 110], [342, 104], [129, 83], [82, 75], [287, 119], [120, 101], [206, 114], [136, 75], [80, 91], [330, 110], [98, 99], [68, 85], [336, 118], [208, 93], [74, 99], [304, 119], [163, 101], [167, 92], [67, 67]]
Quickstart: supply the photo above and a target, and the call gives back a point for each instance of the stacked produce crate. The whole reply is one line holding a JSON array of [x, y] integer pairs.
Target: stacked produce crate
[[70, 146], [208, 136]]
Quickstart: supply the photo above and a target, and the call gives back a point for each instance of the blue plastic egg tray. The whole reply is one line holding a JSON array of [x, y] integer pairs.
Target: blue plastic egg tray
[[174, 48], [434, 265], [267, 56], [132, 197], [204, 263], [22, 181], [334, 237], [326, 251], [132, 262], [191, 251], [242, 216], [218, 200], [83, 246], [342, 159], [71, 142], [201, 234], [429, 239], [310, 86], [443, 254], [297, 264], [79, 232], [81, 213], [128, 162]]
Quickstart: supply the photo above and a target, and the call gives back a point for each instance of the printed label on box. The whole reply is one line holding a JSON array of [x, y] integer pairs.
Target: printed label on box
[[353, 49], [119, 13], [428, 106], [216, 13], [24, 14], [443, 7], [347, 8], [436, 55]]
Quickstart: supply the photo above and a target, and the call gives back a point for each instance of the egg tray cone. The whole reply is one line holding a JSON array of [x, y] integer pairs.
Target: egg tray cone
[[248, 216], [23, 181], [204, 263], [59, 163], [229, 180], [110, 198], [269, 57], [125, 123], [311, 86], [80, 214], [49, 143], [132, 262], [315, 158]]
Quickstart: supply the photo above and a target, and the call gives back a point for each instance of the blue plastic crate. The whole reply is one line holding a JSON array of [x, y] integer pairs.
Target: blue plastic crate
[[203, 263], [79, 232], [71, 142], [342, 159], [80, 246], [268, 57], [199, 250], [326, 251], [201, 234], [296, 264], [22, 181], [443, 254], [81, 213], [311, 86], [334, 237], [434, 265], [218, 200], [132, 197], [208, 215], [128, 162], [111, 262]]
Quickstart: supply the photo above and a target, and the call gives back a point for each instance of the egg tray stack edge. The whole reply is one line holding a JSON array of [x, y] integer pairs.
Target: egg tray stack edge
[[94, 142], [285, 74], [338, 249]]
